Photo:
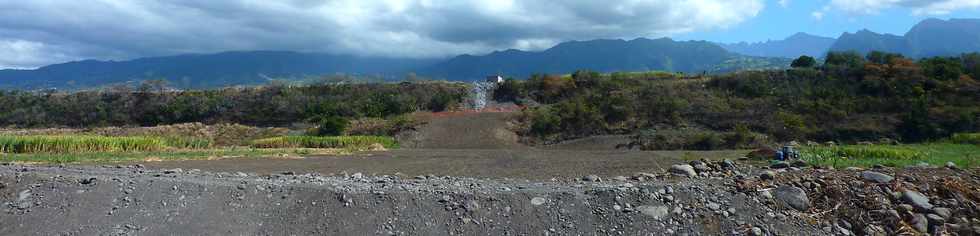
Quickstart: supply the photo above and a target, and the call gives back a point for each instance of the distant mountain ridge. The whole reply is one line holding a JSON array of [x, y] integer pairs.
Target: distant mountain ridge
[[604, 55], [792, 47], [929, 38], [203, 70], [257, 67]]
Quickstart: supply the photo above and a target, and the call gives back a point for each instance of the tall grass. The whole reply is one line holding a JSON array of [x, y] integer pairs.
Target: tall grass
[[187, 142], [324, 142], [78, 144], [966, 138]]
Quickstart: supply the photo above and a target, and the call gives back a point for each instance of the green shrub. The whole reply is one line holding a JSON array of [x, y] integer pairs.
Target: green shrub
[[330, 126]]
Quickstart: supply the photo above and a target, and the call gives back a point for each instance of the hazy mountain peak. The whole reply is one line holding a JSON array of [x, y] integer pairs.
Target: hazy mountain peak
[[793, 46]]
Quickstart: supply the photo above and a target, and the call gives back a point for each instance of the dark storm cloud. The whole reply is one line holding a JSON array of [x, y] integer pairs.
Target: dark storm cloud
[[39, 32]]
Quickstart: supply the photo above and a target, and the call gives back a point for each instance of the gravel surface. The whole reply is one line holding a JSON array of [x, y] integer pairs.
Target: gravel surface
[[130, 200]]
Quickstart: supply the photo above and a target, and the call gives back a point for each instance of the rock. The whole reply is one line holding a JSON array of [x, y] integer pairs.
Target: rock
[[620, 178], [644, 176], [799, 164], [951, 165], [727, 164], [713, 206], [853, 168], [889, 215], [920, 223], [793, 196], [876, 177], [780, 165], [172, 171], [685, 170], [656, 212], [766, 194], [537, 201], [357, 175], [917, 200], [906, 207], [943, 212], [875, 230], [591, 178], [756, 231], [935, 219], [87, 181], [700, 167], [768, 175]]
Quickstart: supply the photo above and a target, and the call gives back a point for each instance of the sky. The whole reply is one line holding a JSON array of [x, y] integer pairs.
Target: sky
[[41, 32]]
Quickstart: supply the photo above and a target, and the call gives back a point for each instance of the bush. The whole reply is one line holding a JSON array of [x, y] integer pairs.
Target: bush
[[330, 126]]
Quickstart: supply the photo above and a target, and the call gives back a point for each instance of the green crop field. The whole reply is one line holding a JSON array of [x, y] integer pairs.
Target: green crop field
[[935, 154]]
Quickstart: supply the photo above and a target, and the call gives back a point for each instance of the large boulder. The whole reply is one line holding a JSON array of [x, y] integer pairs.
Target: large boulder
[[876, 177], [917, 200], [792, 196], [685, 170]]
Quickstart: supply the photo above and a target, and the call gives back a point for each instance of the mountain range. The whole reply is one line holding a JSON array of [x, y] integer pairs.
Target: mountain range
[[928, 38], [791, 47]]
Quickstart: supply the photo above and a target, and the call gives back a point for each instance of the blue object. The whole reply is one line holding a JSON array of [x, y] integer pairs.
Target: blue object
[[780, 156]]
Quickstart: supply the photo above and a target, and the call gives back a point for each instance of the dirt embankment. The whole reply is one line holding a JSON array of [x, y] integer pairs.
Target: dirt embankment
[[463, 130]]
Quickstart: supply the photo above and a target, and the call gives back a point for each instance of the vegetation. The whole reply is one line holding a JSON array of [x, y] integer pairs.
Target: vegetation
[[935, 154], [281, 106], [849, 98], [344, 142], [169, 155], [804, 62], [82, 144], [966, 138]]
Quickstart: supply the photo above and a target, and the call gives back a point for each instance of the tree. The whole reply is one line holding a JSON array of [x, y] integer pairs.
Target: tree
[[942, 68], [804, 62], [880, 57], [849, 59]]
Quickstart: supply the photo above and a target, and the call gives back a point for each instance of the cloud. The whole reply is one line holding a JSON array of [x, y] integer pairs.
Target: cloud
[[817, 15], [918, 7], [784, 3], [49, 31]]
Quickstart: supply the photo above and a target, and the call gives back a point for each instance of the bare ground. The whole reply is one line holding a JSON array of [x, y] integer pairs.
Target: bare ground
[[464, 174]]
